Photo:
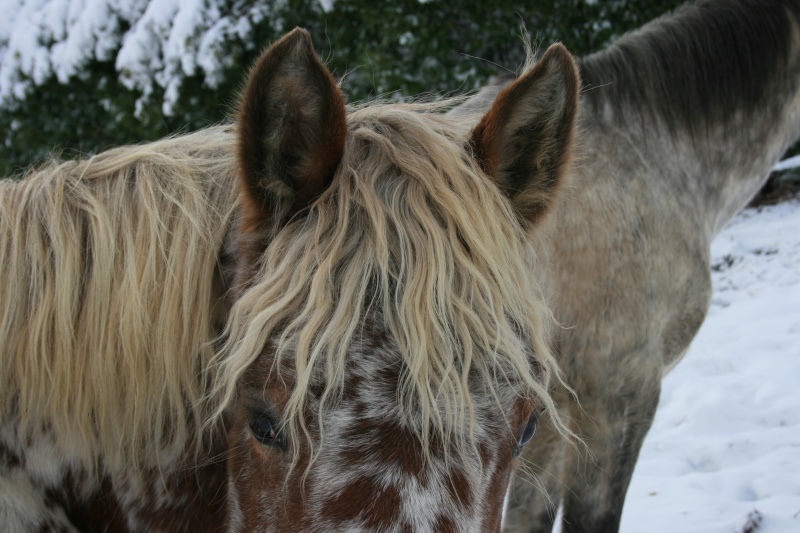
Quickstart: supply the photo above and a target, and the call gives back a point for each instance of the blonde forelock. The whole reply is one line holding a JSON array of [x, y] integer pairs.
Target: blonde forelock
[[413, 233]]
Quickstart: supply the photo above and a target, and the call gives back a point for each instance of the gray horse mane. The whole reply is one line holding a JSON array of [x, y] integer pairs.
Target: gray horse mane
[[697, 66]]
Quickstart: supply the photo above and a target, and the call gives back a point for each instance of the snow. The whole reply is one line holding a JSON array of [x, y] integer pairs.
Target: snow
[[166, 40], [792, 162], [724, 448]]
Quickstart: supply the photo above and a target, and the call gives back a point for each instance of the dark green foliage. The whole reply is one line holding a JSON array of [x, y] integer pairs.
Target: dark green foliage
[[382, 48], [406, 47], [91, 113]]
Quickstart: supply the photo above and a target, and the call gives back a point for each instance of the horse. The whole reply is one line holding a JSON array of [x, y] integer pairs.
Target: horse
[[680, 123], [317, 318]]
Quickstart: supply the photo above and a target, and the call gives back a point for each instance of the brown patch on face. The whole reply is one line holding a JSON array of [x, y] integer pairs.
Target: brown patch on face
[[399, 446], [494, 498], [495, 494], [504, 466], [459, 489], [352, 385], [389, 445], [365, 498], [444, 524]]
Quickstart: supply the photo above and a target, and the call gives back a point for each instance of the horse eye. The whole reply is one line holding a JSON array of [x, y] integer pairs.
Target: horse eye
[[527, 434], [264, 431]]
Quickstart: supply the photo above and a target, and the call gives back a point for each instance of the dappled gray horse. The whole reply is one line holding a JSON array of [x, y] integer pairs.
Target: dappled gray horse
[[681, 122]]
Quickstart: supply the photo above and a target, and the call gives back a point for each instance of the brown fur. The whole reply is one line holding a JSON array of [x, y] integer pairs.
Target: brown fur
[[291, 131]]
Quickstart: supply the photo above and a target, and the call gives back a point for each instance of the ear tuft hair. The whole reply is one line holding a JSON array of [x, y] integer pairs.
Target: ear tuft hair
[[291, 130], [524, 142]]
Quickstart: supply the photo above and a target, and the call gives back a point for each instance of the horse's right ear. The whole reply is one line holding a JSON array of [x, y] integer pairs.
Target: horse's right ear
[[524, 142], [291, 128]]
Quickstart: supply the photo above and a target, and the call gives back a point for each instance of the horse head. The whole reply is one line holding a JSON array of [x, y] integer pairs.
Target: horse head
[[386, 357]]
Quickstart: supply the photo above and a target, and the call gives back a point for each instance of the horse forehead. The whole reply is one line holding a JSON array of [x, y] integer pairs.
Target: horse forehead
[[369, 411], [371, 477]]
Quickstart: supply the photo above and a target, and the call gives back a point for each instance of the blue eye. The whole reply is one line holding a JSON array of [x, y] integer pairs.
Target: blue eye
[[527, 434], [265, 432]]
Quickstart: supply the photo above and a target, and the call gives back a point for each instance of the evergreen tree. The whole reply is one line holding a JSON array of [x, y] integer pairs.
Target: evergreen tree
[[390, 49]]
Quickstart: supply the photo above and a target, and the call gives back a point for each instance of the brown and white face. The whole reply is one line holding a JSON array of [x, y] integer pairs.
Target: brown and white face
[[377, 466], [370, 474]]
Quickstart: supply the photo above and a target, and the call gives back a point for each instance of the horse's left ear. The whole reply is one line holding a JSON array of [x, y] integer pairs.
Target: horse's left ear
[[524, 142], [291, 129]]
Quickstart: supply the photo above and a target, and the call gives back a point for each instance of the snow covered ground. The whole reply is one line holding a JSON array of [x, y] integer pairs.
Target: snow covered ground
[[724, 449]]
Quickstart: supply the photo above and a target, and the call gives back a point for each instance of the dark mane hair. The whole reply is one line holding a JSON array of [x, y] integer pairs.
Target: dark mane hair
[[697, 66]]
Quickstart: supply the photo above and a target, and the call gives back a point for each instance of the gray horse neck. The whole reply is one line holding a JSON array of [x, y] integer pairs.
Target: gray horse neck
[[704, 101]]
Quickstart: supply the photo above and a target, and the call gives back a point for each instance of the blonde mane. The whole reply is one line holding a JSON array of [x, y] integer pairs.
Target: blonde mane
[[412, 231], [109, 269], [107, 289]]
